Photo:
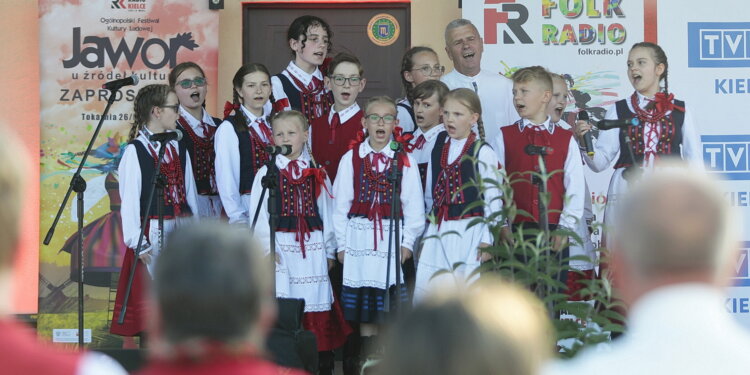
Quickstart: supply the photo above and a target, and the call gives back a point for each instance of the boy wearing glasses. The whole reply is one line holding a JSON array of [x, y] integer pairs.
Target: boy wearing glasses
[[331, 134], [189, 83], [361, 213]]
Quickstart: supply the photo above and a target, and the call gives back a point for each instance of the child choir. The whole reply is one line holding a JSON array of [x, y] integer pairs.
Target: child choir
[[335, 190]]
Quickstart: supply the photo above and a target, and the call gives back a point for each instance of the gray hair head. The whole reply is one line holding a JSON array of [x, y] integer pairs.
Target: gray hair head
[[458, 22], [675, 221]]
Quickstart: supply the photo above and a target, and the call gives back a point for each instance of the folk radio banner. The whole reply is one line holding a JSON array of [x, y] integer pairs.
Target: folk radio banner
[[585, 41], [84, 44]]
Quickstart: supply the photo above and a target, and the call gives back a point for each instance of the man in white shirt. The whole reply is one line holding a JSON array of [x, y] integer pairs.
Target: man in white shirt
[[672, 253], [464, 47]]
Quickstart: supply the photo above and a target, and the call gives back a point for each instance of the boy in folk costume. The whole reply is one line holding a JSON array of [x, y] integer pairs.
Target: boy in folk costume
[[532, 92], [428, 115], [331, 134]]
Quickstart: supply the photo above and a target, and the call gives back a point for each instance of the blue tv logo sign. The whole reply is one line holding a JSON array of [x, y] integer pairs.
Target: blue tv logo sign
[[718, 44], [727, 154], [742, 272]]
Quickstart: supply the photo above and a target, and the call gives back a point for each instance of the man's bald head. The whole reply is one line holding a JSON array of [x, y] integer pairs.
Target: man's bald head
[[675, 222]]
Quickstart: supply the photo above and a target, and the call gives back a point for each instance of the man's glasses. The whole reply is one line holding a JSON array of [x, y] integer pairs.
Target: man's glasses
[[341, 80], [387, 119], [188, 83], [430, 70]]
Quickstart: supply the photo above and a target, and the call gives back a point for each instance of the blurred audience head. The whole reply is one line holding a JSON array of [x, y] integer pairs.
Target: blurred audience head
[[673, 226], [490, 328], [12, 178], [212, 285]]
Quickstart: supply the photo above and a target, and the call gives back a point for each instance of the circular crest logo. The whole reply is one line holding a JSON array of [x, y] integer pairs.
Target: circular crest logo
[[383, 29]]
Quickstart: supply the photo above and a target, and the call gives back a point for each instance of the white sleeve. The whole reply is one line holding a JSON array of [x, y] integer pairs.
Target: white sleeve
[[428, 188], [325, 208], [607, 145], [487, 167], [343, 191], [278, 92], [691, 145], [129, 173], [95, 363], [404, 119], [412, 204], [575, 185], [227, 163], [191, 191], [498, 146], [262, 231]]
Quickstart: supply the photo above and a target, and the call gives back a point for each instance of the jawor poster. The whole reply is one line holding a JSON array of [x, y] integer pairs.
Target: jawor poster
[[84, 44]]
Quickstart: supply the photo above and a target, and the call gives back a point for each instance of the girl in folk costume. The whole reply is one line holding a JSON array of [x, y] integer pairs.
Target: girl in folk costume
[[361, 213], [156, 111], [300, 86], [449, 197], [189, 83], [241, 140], [666, 128], [418, 65], [305, 240]]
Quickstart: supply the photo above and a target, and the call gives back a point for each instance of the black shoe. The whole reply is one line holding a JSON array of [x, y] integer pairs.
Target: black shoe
[[326, 363], [352, 366]]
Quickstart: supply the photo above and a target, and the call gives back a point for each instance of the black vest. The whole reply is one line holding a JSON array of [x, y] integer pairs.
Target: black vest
[[636, 134], [187, 143], [288, 218], [148, 169], [295, 101], [468, 174], [251, 157]]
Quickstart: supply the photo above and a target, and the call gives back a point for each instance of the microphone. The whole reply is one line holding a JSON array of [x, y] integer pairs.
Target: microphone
[[279, 150], [174, 135], [588, 143], [538, 150], [620, 123], [118, 83], [395, 146]]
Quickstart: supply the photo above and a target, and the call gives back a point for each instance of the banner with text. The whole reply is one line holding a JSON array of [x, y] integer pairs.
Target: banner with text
[[708, 48], [84, 44]]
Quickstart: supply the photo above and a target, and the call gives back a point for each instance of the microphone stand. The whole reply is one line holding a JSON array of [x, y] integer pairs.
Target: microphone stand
[[629, 143], [395, 179], [541, 184], [270, 185], [157, 184], [78, 184]]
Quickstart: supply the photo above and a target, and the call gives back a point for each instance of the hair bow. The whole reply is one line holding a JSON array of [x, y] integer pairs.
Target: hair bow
[[358, 139], [404, 139], [229, 107]]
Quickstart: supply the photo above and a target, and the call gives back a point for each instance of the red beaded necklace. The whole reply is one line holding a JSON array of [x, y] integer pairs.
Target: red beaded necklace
[[444, 155]]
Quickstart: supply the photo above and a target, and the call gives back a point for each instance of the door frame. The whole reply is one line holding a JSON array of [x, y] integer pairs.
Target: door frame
[[321, 4]]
